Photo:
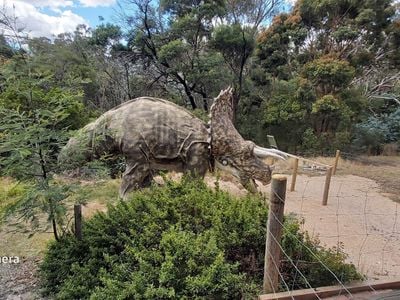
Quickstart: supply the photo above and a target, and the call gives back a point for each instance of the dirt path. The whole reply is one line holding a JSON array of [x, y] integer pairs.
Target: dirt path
[[358, 218]]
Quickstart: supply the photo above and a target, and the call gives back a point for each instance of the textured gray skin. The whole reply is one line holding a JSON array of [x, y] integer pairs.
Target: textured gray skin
[[153, 134], [230, 150]]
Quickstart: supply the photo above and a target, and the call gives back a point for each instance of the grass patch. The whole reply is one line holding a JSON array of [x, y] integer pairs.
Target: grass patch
[[10, 191], [16, 241], [102, 192]]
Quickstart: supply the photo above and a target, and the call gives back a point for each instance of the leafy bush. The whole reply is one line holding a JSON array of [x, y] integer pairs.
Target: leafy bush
[[181, 241], [374, 132], [329, 72]]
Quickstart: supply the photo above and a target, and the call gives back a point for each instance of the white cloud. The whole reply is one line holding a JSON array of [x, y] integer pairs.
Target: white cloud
[[53, 4], [291, 2], [37, 23], [95, 3]]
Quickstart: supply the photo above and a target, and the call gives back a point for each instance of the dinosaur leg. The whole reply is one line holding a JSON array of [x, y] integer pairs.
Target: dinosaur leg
[[249, 185], [137, 175], [197, 161]]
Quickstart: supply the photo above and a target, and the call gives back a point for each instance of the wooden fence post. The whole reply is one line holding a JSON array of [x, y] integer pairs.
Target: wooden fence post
[[294, 174], [78, 221], [274, 233], [327, 185], [336, 161]]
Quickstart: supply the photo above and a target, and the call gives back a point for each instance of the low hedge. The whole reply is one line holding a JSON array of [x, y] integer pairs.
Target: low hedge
[[181, 241]]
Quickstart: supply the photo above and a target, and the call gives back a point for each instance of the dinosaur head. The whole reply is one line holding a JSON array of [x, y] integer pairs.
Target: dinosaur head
[[78, 150], [231, 152], [94, 141]]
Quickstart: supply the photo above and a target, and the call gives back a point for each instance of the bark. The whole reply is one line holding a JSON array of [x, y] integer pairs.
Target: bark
[[54, 224]]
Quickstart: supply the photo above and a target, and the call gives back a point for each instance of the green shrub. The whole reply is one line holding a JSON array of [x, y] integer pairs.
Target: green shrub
[[180, 241], [374, 132]]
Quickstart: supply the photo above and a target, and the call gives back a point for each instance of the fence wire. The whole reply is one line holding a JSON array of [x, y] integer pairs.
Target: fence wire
[[358, 220]]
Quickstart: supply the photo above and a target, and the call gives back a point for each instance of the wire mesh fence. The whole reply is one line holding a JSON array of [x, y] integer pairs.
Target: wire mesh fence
[[357, 220]]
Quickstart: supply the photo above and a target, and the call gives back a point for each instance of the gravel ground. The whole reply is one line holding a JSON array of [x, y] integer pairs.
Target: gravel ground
[[18, 280]]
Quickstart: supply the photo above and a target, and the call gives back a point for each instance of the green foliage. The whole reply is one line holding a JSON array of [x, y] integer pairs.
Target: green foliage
[[201, 114], [35, 115], [235, 43], [328, 105], [28, 152], [277, 47], [374, 132], [394, 56], [329, 74], [6, 50], [369, 17], [285, 103], [29, 144], [105, 35], [185, 43], [310, 255], [85, 62], [310, 142], [37, 200], [283, 110], [343, 48], [179, 8], [179, 49], [181, 241], [173, 52], [29, 89]]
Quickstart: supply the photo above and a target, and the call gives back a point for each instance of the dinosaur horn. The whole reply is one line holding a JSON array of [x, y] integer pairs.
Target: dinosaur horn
[[268, 152]]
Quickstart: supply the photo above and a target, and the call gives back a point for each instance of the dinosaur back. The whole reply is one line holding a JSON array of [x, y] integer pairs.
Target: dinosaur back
[[156, 127]]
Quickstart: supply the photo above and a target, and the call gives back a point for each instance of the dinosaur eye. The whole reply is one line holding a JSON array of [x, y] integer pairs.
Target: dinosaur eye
[[225, 162]]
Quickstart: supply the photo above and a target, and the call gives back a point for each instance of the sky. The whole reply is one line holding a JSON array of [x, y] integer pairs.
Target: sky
[[52, 17]]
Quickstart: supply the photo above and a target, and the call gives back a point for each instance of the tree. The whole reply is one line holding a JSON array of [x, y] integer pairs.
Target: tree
[[35, 114], [333, 46], [32, 130], [197, 47], [29, 144], [171, 40], [236, 44], [235, 37]]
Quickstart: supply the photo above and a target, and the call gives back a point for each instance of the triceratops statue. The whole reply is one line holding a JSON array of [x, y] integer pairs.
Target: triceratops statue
[[154, 134]]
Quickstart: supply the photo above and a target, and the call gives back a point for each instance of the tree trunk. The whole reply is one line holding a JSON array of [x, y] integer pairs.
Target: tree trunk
[[188, 91], [53, 221]]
